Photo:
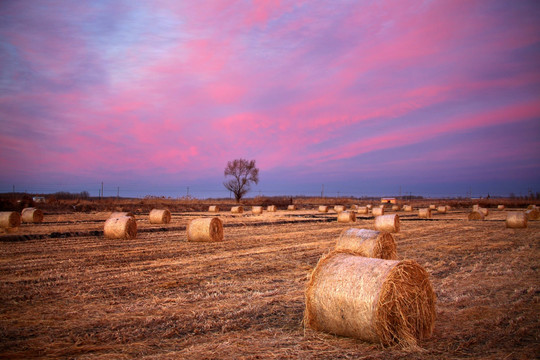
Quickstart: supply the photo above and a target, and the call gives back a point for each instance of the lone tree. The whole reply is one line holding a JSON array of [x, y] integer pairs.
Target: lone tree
[[243, 173]]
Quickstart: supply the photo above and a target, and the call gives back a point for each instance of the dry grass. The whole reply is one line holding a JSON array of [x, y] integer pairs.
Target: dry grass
[[158, 296]]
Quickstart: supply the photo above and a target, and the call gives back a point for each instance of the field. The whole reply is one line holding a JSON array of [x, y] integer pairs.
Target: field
[[67, 292]]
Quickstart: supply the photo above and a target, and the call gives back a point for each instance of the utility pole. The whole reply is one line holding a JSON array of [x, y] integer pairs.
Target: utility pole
[[118, 193], [187, 192], [322, 191], [14, 189], [101, 190]]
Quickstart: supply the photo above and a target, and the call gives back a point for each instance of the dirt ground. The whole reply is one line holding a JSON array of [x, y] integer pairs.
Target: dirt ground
[[68, 292]]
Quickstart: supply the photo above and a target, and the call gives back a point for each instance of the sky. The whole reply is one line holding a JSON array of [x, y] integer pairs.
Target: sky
[[350, 98]]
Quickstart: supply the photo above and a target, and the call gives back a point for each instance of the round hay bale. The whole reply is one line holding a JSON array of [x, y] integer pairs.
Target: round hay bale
[[346, 216], [271, 208], [116, 214], [369, 206], [10, 219], [484, 211], [291, 207], [354, 207], [500, 207], [389, 223], [395, 207], [368, 243], [424, 213], [237, 210], [160, 216], [476, 215], [339, 208], [363, 210], [256, 210], [407, 208], [385, 301], [377, 211], [213, 208], [32, 215], [323, 208], [516, 219], [476, 207], [532, 206], [533, 214], [205, 229], [441, 209], [123, 227], [432, 207]]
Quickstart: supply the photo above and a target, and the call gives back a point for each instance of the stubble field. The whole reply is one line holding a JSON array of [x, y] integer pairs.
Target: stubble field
[[68, 292]]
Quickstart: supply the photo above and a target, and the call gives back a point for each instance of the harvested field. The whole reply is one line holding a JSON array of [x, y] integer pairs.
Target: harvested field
[[159, 296]]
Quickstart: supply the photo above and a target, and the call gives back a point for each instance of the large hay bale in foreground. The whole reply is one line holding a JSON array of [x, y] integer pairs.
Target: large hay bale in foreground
[[424, 213], [237, 210], [117, 214], [160, 216], [32, 215], [346, 216], [368, 243], [389, 223], [383, 301], [213, 208], [291, 207], [533, 214], [205, 229], [122, 227], [377, 211], [363, 210], [407, 208], [516, 219], [323, 208], [256, 210], [441, 209], [476, 215], [339, 208], [271, 208], [10, 219]]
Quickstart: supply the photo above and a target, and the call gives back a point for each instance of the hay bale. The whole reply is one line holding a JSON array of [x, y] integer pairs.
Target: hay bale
[[354, 207], [122, 227], [500, 207], [424, 213], [237, 210], [377, 211], [533, 214], [432, 207], [271, 208], [116, 214], [363, 210], [205, 229], [369, 206], [291, 207], [476, 215], [346, 216], [368, 243], [441, 209], [160, 216], [10, 219], [256, 210], [376, 300], [532, 206], [339, 208], [407, 208], [484, 211], [213, 208], [323, 208], [32, 215], [476, 207], [395, 207], [516, 219], [389, 223]]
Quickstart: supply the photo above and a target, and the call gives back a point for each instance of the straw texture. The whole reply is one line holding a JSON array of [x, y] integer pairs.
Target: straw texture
[[407, 208], [10, 219], [32, 215], [339, 208], [323, 208], [389, 223], [271, 208], [237, 209], [368, 243], [484, 211], [205, 229], [424, 213], [256, 210], [213, 208], [123, 227], [441, 209], [395, 207], [500, 207], [533, 214], [363, 210], [476, 215], [160, 216], [377, 211], [385, 301], [116, 214], [346, 216], [291, 207], [516, 219], [432, 207]]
